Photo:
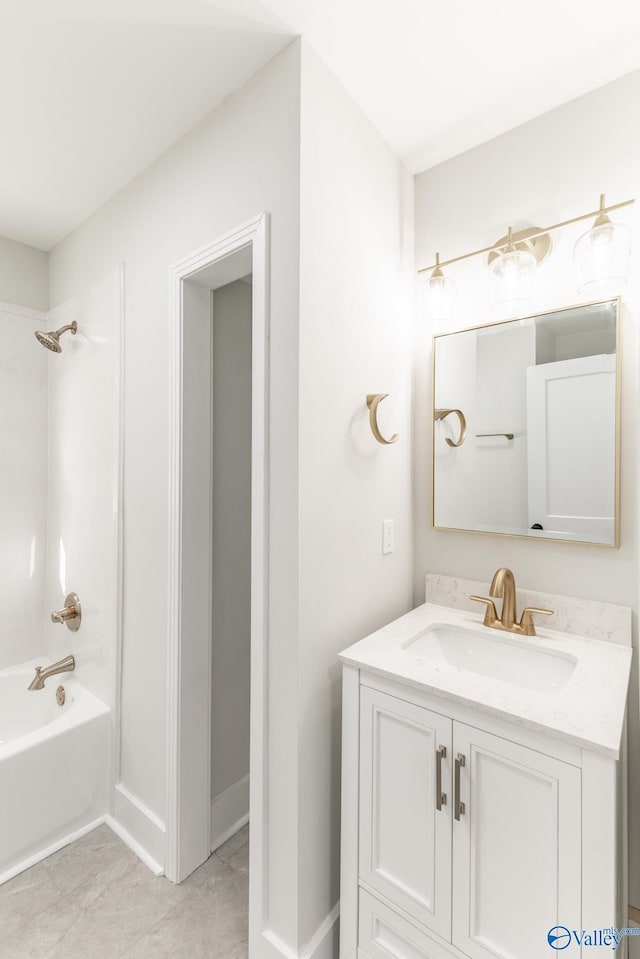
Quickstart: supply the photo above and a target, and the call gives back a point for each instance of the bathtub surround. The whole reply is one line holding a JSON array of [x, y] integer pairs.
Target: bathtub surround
[[84, 511], [61, 532], [23, 483], [24, 299], [61, 485]]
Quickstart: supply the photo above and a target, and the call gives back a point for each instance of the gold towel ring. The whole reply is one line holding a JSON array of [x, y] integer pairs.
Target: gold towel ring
[[440, 415], [373, 402]]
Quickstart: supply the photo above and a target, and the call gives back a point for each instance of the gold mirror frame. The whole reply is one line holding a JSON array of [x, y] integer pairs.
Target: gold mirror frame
[[518, 319]]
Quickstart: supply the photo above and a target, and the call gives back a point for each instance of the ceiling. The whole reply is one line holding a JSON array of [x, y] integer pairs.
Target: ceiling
[[92, 91], [436, 79]]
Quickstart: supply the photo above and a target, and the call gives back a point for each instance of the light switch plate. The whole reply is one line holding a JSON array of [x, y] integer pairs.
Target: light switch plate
[[387, 536]]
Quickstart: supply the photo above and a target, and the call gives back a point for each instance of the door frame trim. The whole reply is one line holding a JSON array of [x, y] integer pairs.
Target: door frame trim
[[254, 233]]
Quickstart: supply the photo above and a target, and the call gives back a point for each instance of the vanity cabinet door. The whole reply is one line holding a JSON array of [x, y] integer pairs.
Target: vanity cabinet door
[[405, 839], [516, 848]]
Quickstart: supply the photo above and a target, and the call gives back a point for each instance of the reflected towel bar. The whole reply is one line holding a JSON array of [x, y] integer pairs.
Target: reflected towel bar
[[509, 436], [441, 414]]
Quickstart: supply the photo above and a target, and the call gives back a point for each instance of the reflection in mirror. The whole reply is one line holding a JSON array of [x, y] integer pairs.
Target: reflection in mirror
[[540, 399]]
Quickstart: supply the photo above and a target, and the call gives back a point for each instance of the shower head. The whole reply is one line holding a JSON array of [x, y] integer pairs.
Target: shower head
[[52, 340]]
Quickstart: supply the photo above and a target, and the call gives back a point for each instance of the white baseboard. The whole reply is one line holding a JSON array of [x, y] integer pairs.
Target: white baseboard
[[139, 828], [324, 944], [229, 812], [49, 850]]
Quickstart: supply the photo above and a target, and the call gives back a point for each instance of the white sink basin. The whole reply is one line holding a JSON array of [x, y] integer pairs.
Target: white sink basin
[[506, 658]]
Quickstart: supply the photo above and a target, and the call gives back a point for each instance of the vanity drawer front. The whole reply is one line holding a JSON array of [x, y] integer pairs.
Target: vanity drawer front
[[404, 838], [383, 934]]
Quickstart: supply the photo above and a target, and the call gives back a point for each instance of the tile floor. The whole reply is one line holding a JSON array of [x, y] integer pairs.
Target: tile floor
[[94, 899]]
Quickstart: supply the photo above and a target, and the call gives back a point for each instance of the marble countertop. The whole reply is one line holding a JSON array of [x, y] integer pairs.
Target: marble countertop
[[588, 711]]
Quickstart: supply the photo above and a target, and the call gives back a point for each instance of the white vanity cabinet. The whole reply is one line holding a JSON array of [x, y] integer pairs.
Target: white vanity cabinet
[[464, 835], [404, 832], [516, 847]]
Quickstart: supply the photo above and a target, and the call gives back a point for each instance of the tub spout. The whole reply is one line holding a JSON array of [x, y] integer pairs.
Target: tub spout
[[43, 673]]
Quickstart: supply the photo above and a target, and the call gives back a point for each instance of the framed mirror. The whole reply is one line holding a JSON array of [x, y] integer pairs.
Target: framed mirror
[[526, 426]]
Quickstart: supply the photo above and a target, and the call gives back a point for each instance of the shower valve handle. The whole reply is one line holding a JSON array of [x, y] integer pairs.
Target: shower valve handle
[[62, 615], [71, 612]]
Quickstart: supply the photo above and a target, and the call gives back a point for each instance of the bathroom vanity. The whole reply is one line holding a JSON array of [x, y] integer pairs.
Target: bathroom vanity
[[484, 793]]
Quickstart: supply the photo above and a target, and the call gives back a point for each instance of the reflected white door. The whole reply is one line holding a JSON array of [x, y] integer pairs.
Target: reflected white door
[[571, 428]]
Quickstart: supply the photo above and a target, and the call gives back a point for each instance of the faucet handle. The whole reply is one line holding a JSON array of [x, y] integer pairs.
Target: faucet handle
[[71, 612], [62, 615], [526, 620], [491, 615]]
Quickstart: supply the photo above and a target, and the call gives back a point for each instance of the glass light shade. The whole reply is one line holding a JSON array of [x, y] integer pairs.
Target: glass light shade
[[513, 276], [601, 257], [441, 297]]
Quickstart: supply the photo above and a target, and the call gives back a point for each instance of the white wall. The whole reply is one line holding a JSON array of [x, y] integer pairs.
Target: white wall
[[483, 482], [500, 490], [242, 160], [356, 329], [547, 170], [24, 275], [231, 596], [23, 484], [83, 514]]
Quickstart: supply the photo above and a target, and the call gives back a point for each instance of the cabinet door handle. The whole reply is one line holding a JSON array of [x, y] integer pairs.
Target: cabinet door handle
[[459, 808], [441, 798]]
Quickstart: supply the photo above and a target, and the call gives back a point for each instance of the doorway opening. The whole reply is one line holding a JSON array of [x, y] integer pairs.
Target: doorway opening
[[218, 638], [231, 562]]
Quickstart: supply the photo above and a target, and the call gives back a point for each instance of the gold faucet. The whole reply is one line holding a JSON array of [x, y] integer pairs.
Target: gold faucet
[[44, 672], [504, 585]]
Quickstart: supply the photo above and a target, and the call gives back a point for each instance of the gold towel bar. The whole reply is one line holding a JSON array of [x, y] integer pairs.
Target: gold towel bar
[[373, 402]]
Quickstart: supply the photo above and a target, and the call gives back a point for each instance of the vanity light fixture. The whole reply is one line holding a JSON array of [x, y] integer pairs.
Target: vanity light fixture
[[601, 255], [442, 294], [513, 273]]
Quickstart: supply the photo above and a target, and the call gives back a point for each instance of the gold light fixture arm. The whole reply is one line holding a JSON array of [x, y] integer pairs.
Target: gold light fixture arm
[[500, 247], [441, 414], [373, 402]]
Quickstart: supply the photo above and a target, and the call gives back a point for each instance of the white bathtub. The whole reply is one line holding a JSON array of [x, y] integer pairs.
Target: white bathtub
[[54, 765]]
